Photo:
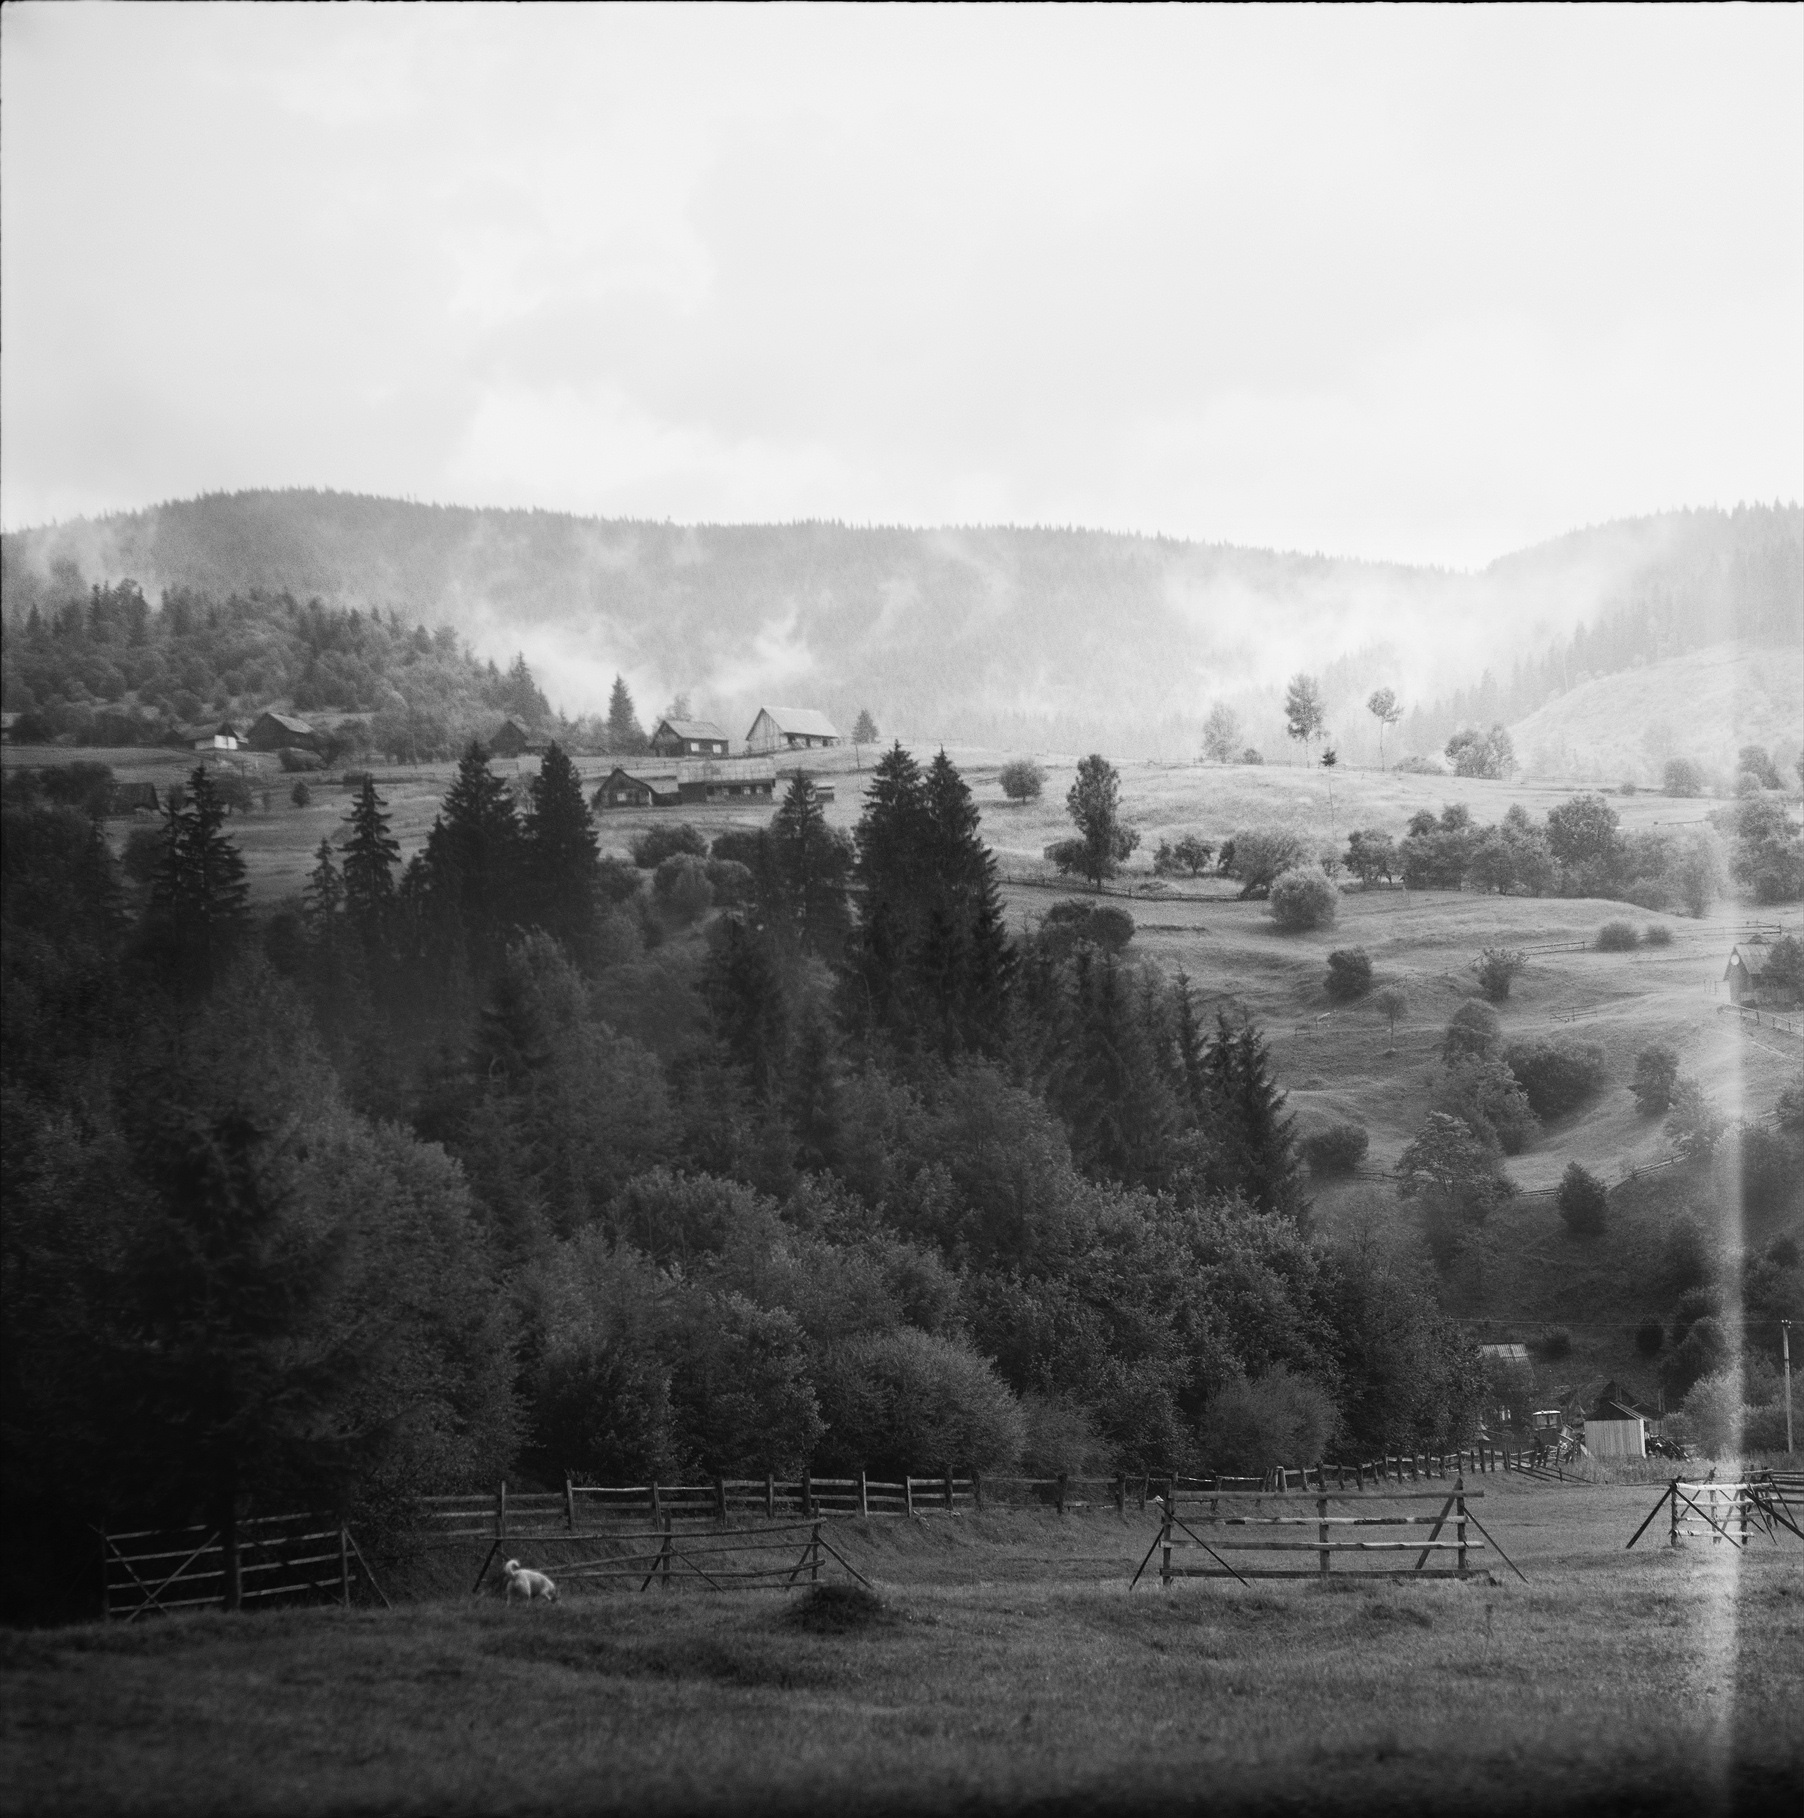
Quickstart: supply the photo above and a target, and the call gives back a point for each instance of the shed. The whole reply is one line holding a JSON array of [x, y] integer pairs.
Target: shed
[[223, 737], [272, 731], [790, 729], [509, 739], [689, 738], [623, 789]]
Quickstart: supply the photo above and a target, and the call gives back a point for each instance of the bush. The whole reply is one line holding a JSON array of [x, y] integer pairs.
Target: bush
[[1657, 935], [1656, 1075], [1557, 1076], [656, 844], [616, 881], [1626, 789], [1497, 968], [1485, 1095], [1473, 1031], [1616, 937], [1349, 974], [681, 889], [1583, 1201], [1096, 924], [1683, 777], [1650, 1335], [1337, 1150], [1417, 765], [1257, 856], [1275, 1419], [730, 881], [1251, 756], [1303, 898], [300, 795], [292, 757], [1023, 780], [1371, 855], [1189, 855], [740, 845]]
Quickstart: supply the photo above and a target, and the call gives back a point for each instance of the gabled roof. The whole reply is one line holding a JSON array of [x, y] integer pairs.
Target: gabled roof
[[289, 722], [691, 729], [1513, 1354], [1753, 957], [805, 720]]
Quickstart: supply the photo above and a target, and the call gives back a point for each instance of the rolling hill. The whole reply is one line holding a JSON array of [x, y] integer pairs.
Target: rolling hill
[[1030, 638]]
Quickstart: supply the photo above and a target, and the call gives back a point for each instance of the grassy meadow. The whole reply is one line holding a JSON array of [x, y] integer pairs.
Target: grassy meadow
[[1010, 1669]]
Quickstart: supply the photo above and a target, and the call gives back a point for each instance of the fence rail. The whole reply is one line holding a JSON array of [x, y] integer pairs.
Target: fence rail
[[668, 1557], [1727, 1512]]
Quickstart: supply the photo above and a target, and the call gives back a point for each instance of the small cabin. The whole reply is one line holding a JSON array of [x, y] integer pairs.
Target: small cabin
[[273, 731], [623, 789], [689, 739], [1750, 977], [791, 729], [509, 739], [726, 780], [223, 737]]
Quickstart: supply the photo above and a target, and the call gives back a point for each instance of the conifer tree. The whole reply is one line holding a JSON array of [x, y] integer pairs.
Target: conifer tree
[[369, 863], [965, 943], [744, 994], [324, 895], [1105, 1082], [473, 859], [563, 856], [626, 736], [199, 902], [813, 1094], [810, 865]]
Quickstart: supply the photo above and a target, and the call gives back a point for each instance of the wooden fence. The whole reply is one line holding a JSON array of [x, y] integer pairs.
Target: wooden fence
[[168, 1569], [1730, 1512], [1262, 1523], [668, 1557]]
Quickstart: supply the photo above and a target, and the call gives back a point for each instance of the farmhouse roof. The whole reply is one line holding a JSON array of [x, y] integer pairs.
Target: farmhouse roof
[[1510, 1354], [1754, 957], [289, 722], [808, 721], [691, 729]]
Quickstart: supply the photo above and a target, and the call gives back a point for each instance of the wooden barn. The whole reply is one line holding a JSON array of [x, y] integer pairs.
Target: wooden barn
[[726, 780], [790, 729], [689, 739], [1750, 980], [223, 737], [509, 739], [624, 789], [272, 731]]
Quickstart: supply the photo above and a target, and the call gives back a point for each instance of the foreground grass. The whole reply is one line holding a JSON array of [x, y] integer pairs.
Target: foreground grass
[[1641, 1681]]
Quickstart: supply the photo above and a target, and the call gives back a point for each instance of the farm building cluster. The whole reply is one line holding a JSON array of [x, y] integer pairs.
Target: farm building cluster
[[691, 761]]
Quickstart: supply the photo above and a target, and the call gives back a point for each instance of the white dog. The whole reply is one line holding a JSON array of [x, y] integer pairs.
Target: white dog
[[523, 1582]]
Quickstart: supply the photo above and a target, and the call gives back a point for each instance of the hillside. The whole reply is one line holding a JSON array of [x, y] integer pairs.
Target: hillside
[[1703, 705], [1034, 638]]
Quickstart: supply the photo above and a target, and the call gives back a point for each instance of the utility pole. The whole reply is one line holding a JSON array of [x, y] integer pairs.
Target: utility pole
[[1785, 1342]]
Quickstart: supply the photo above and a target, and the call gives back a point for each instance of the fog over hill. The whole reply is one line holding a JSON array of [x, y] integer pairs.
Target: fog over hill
[[1018, 637]]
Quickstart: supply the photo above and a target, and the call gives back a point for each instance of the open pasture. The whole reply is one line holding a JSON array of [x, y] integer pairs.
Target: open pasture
[[1010, 1669]]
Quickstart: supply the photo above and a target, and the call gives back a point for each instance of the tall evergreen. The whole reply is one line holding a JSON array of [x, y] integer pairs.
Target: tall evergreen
[[1255, 1142], [324, 894], [809, 863], [625, 735], [370, 858], [743, 990], [473, 859], [199, 900], [563, 856], [1105, 1082]]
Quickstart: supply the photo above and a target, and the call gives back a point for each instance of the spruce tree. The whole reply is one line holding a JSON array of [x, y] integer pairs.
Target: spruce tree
[[199, 901], [626, 737], [812, 1095], [966, 962], [473, 859], [810, 865], [1105, 1083], [370, 859], [563, 856], [744, 994], [324, 894]]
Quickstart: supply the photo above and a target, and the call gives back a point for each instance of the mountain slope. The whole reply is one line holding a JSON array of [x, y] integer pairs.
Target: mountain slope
[[1032, 637]]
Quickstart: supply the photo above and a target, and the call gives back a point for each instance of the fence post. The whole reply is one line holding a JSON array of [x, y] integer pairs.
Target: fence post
[[864, 1494], [501, 1511], [948, 1489], [569, 1506], [1672, 1491], [1321, 1510], [657, 1505], [1121, 1492], [977, 1489], [1459, 1525], [1165, 1538], [770, 1497], [720, 1499], [1146, 1483], [814, 1557], [1061, 1492], [344, 1567], [908, 1493], [807, 1495]]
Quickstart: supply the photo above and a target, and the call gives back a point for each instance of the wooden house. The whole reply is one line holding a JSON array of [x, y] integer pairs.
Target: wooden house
[[129, 798], [1617, 1426], [509, 739], [726, 780], [790, 729], [272, 731], [689, 739], [624, 789], [223, 737], [1749, 979]]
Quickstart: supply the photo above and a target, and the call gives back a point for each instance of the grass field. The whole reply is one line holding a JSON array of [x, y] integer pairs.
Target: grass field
[[1010, 1670]]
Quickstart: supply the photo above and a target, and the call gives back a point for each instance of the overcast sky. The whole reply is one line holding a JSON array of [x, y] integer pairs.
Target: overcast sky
[[1428, 285]]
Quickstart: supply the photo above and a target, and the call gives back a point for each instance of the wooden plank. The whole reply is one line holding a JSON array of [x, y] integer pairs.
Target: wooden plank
[[1332, 1546], [1298, 1573], [1195, 1498]]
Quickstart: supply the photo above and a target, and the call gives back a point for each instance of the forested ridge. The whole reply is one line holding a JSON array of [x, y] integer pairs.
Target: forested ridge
[[1041, 637], [520, 1160]]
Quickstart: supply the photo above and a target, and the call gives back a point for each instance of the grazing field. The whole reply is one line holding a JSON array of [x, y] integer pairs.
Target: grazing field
[[1009, 1669]]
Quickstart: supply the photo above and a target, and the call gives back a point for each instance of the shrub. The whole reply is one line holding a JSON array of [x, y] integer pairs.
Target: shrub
[[1473, 1030], [616, 881], [1626, 789], [1656, 1075], [1023, 780], [1616, 937], [1061, 1436], [681, 888], [1371, 855], [1497, 968], [1484, 1093], [1337, 1150], [1417, 765], [292, 758], [1657, 935], [1099, 924], [1650, 1335], [1553, 1345], [740, 845], [1257, 856], [730, 881], [1583, 1201], [1683, 777], [1303, 898], [300, 795], [1274, 1419], [1557, 1076], [1189, 855], [1349, 974], [656, 844], [1251, 756]]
